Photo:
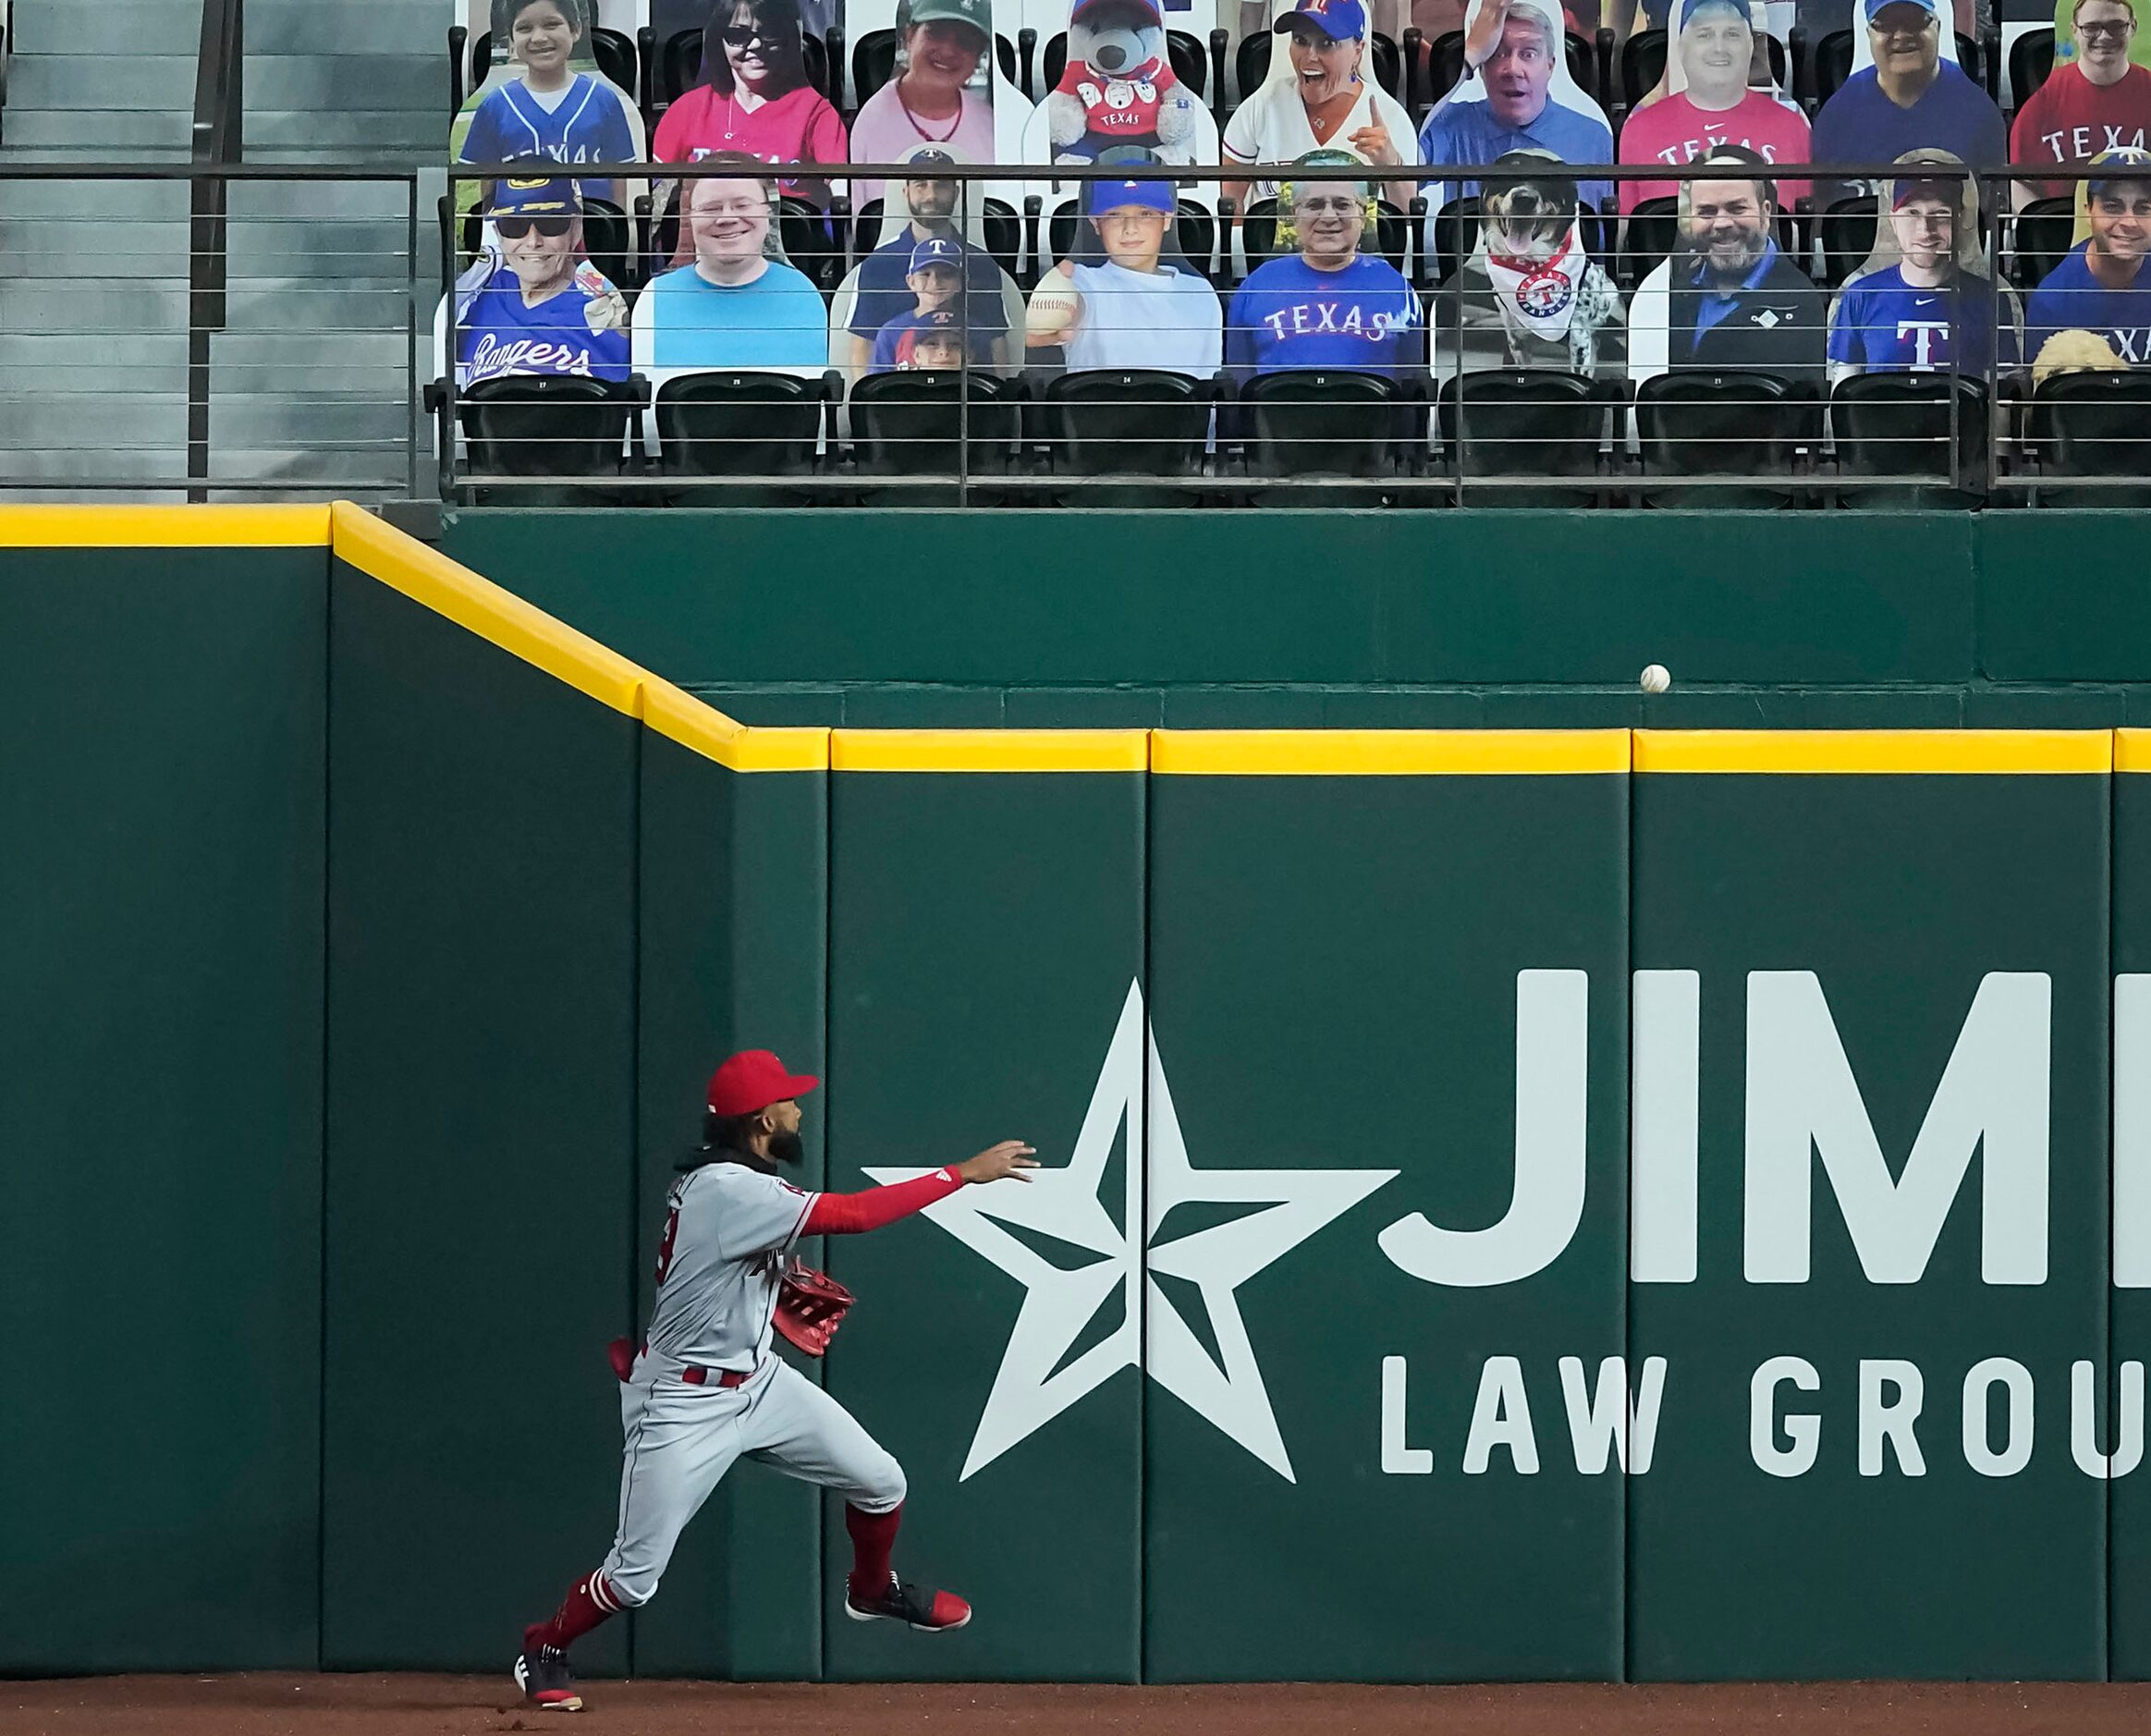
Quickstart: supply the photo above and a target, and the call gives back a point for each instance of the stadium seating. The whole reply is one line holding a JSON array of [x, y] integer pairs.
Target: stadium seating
[[1522, 422], [715, 428], [932, 426], [1726, 423], [1145, 428], [2094, 425], [1896, 429], [547, 432]]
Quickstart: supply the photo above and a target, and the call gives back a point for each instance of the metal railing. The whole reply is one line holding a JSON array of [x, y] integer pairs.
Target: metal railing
[[1468, 410], [1481, 411]]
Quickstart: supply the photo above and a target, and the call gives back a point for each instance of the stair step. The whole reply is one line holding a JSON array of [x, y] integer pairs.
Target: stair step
[[294, 249], [418, 28], [95, 248], [98, 133], [329, 313], [126, 80], [121, 423], [59, 307], [30, 202], [372, 135], [108, 27], [316, 83]]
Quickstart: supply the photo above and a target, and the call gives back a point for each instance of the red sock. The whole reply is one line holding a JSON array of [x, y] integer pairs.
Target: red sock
[[873, 1535], [589, 1602]]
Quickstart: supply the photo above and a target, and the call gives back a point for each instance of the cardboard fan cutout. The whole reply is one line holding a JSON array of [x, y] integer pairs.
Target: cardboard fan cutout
[[1119, 90], [1718, 90], [1320, 91], [1926, 300], [543, 95], [1906, 92], [1516, 95]]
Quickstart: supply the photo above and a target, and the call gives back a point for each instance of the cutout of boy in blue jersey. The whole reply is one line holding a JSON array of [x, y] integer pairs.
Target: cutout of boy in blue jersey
[[2100, 286], [935, 278], [1328, 306], [545, 310], [552, 110], [1933, 309]]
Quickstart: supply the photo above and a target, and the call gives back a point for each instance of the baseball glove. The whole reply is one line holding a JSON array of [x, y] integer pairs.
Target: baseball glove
[[810, 1307]]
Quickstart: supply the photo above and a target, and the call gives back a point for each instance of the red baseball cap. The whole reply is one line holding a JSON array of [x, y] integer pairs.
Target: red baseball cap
[[753, 1080]]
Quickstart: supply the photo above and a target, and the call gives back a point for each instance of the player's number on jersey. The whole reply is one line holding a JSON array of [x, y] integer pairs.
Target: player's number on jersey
[[664, 1244]]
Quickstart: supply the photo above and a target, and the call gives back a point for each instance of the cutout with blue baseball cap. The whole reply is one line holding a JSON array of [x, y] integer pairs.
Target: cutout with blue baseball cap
[[1340, 20], [547, 196], [937, 249]]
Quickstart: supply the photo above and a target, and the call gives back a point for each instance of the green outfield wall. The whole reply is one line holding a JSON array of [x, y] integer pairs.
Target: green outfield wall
[[1307, 619], [1586, 1204]]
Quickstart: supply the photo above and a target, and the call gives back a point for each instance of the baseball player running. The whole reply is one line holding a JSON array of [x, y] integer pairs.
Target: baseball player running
[[705, 1389]]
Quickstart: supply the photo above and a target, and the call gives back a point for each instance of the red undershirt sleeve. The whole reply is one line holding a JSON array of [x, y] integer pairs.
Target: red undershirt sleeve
[[852, 1214]]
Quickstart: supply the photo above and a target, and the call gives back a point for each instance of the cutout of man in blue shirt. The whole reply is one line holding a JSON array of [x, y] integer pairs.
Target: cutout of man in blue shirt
[[1515, 96], [1910, 99], [2100, 286]]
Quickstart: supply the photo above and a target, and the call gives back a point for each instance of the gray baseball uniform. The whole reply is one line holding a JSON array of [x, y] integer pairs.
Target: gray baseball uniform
[[728, 1232]]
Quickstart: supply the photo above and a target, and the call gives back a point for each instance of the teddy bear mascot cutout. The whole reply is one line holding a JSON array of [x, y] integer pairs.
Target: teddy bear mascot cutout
[[1118, 87]]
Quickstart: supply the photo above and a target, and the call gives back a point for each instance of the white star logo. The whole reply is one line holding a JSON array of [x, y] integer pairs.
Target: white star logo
[[1031, 1388]]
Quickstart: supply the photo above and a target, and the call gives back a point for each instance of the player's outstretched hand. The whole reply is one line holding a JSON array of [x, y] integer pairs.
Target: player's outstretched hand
[[1010, 1157]]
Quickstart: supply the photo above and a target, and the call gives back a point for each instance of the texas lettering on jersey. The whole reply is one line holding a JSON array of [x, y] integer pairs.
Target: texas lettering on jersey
[[1689, 149], [1303, 319], [2080, 144]]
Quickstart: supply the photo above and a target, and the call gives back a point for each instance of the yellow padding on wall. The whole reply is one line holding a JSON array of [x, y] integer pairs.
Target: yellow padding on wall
[[1854, 751], [2133, 750], [478, 606], [164, 527], [988, 751], [524, 630], [701, 728], [1387, 753]]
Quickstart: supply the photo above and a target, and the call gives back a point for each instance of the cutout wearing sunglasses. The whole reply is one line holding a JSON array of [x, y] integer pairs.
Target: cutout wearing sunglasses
[[515, 229]]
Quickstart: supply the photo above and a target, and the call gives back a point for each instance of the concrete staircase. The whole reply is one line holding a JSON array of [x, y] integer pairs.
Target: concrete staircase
[[309, 379]]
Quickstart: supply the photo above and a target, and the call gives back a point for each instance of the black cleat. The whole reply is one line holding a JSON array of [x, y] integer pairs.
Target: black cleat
[[929, 1612], [543, 1674]]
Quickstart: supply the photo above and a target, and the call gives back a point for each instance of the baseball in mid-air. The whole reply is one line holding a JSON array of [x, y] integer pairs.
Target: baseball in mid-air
[[1656, 679]]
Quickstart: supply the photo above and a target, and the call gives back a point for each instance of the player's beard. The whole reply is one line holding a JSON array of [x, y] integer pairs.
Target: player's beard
[[787, 1148]]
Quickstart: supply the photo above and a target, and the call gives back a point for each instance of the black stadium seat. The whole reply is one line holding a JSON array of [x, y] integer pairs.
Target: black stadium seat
[[609, 240], [1895, 428], [1521, 421], [739, 423], [1712, 422], [1846, 233], [1325, 421], [1141, 424], [874, 63], [2031, 62], [1653, 232], [2043, 231], [1642, 63], [1833, 62], [2095, 424], [537, 428], [933, 424]]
